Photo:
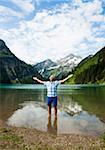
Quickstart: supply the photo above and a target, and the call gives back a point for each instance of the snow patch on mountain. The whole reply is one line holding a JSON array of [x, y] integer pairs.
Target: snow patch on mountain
[[70, 60]]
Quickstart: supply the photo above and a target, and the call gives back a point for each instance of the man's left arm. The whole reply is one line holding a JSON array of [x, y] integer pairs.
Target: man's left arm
[[62, 81]]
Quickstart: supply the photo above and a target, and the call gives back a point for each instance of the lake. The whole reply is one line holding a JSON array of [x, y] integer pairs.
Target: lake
[[81, 108]]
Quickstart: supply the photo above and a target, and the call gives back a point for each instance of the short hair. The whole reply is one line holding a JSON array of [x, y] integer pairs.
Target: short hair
[[52, 77]]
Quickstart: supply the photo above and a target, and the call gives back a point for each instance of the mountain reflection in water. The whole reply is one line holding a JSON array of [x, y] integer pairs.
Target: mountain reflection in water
[[35, 115]]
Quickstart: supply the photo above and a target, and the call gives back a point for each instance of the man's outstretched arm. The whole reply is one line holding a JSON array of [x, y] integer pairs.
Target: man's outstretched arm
[[62, 81], [38, 80]]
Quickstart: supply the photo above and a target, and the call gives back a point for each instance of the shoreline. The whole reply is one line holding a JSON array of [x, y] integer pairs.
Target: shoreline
[[20, 138]]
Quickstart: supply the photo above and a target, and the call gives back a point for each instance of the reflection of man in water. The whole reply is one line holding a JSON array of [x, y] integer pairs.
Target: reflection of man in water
[[52, 128], [52, 91]]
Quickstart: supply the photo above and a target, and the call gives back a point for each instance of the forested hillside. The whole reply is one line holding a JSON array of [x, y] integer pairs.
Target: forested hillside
[[90, 70]]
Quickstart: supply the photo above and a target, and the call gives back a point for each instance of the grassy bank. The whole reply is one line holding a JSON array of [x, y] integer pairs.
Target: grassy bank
[[12, 138]]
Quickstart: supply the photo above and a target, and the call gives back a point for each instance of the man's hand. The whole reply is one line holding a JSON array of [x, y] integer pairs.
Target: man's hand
[[38, 80], [35, 78], [70, 76]]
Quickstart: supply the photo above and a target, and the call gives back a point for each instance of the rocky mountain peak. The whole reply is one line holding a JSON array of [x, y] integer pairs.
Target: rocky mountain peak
[[4, 50], [2, 44], [44, 65], [70, 60]]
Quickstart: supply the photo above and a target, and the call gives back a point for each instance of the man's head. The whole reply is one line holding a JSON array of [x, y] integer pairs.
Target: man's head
[[52, 78]]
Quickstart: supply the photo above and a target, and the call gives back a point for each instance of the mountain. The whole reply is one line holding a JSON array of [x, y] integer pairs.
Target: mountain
[[69, 61], [44, 65], [13, 70], [90, 70], [61, 68], [65, 66]]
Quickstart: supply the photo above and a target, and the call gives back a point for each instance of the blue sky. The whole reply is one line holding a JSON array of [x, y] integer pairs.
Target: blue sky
[[36, 30]]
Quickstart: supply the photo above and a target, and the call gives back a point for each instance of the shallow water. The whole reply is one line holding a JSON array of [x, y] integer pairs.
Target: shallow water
[[25, 106]]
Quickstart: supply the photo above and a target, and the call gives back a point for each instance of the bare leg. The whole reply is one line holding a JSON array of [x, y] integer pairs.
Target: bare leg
[[55, 111], [49, 122], [49, 110], [55, 122]]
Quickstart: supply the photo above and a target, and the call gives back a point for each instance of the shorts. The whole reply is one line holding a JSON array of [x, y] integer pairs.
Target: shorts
[[51, 100]]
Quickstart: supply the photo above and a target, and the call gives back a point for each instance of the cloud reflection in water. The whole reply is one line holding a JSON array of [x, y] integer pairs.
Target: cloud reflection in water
[[35, 115]]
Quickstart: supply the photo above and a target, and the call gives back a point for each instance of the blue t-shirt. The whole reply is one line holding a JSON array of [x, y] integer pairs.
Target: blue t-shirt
[[52, 88]]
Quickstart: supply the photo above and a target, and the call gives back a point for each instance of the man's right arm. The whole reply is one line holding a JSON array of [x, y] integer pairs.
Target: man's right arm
[[38, 80]]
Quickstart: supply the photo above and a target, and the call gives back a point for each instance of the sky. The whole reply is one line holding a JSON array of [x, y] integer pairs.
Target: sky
[[36, 30]]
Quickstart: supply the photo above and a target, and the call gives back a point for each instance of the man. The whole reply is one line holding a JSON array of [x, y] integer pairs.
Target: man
[[52, 91]]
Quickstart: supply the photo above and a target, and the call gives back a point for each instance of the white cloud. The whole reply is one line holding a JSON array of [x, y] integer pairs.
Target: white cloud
[[11, 16], [7, 13], [54, 34], [25, 5]]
